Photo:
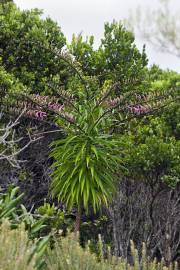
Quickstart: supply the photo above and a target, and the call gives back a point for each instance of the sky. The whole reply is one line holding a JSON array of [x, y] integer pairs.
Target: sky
[[88, 17]]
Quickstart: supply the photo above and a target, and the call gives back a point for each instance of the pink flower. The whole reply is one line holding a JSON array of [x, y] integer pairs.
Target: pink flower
[[139, 109], [40, 115]]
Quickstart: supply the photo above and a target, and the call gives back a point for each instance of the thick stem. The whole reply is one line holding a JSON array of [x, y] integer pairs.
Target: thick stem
[[78, 221]]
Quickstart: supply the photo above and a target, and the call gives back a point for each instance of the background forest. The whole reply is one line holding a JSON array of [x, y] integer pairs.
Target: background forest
[[89, 149]]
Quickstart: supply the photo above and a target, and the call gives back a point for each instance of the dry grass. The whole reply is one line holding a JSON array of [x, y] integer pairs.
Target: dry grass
[[15, 248], [69, 255]]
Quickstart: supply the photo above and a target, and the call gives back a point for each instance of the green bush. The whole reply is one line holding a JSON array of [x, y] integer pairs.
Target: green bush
[[25, 42]]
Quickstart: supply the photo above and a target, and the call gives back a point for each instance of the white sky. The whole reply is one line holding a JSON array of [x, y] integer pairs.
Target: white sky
[[88, 16]]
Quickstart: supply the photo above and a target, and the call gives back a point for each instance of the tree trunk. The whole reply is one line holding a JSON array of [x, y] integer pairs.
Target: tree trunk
[[78, 221]]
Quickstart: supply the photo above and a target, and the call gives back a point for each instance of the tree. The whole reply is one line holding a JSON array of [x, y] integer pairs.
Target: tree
[[93, 112], [116, 59], [25, 40], [87, 159], [147, 201], [5, 1], [102, 102]]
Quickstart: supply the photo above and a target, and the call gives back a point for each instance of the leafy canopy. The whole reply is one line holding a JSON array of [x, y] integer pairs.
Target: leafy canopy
[[25, 40]]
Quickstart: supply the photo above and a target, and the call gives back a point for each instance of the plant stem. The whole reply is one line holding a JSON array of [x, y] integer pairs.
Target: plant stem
[[78, 221]]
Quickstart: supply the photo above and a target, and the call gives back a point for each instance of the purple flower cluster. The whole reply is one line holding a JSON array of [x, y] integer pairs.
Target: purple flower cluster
[[38, 114], [139, 109], [134, 109], [35, 107], [114, 102], [50, 103], [38, 104]]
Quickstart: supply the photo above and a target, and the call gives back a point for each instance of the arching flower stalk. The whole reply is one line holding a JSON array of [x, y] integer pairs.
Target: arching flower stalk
[[86, 160]]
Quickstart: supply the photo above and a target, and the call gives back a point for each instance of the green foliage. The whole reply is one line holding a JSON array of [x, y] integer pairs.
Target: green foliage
[[88, 158], [9, 202], [5, 1], [152, 143], [9, 87], [54, 218], [122, 60], [11, 208], [171, 118], [17, 214], [102, 135], [154, 157], [116, 59], [25, 42], [85, 164], [85, 54], [93, 150]]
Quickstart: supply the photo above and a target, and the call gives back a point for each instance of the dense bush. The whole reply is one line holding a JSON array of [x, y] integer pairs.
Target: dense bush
[[25, 40]]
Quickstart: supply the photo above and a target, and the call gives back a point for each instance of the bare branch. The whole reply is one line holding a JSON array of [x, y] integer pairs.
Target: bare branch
[[8, 142]]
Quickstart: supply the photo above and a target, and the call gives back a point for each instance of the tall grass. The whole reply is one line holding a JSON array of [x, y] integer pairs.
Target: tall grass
[[15, 248], [69, 255], [16, 254]]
